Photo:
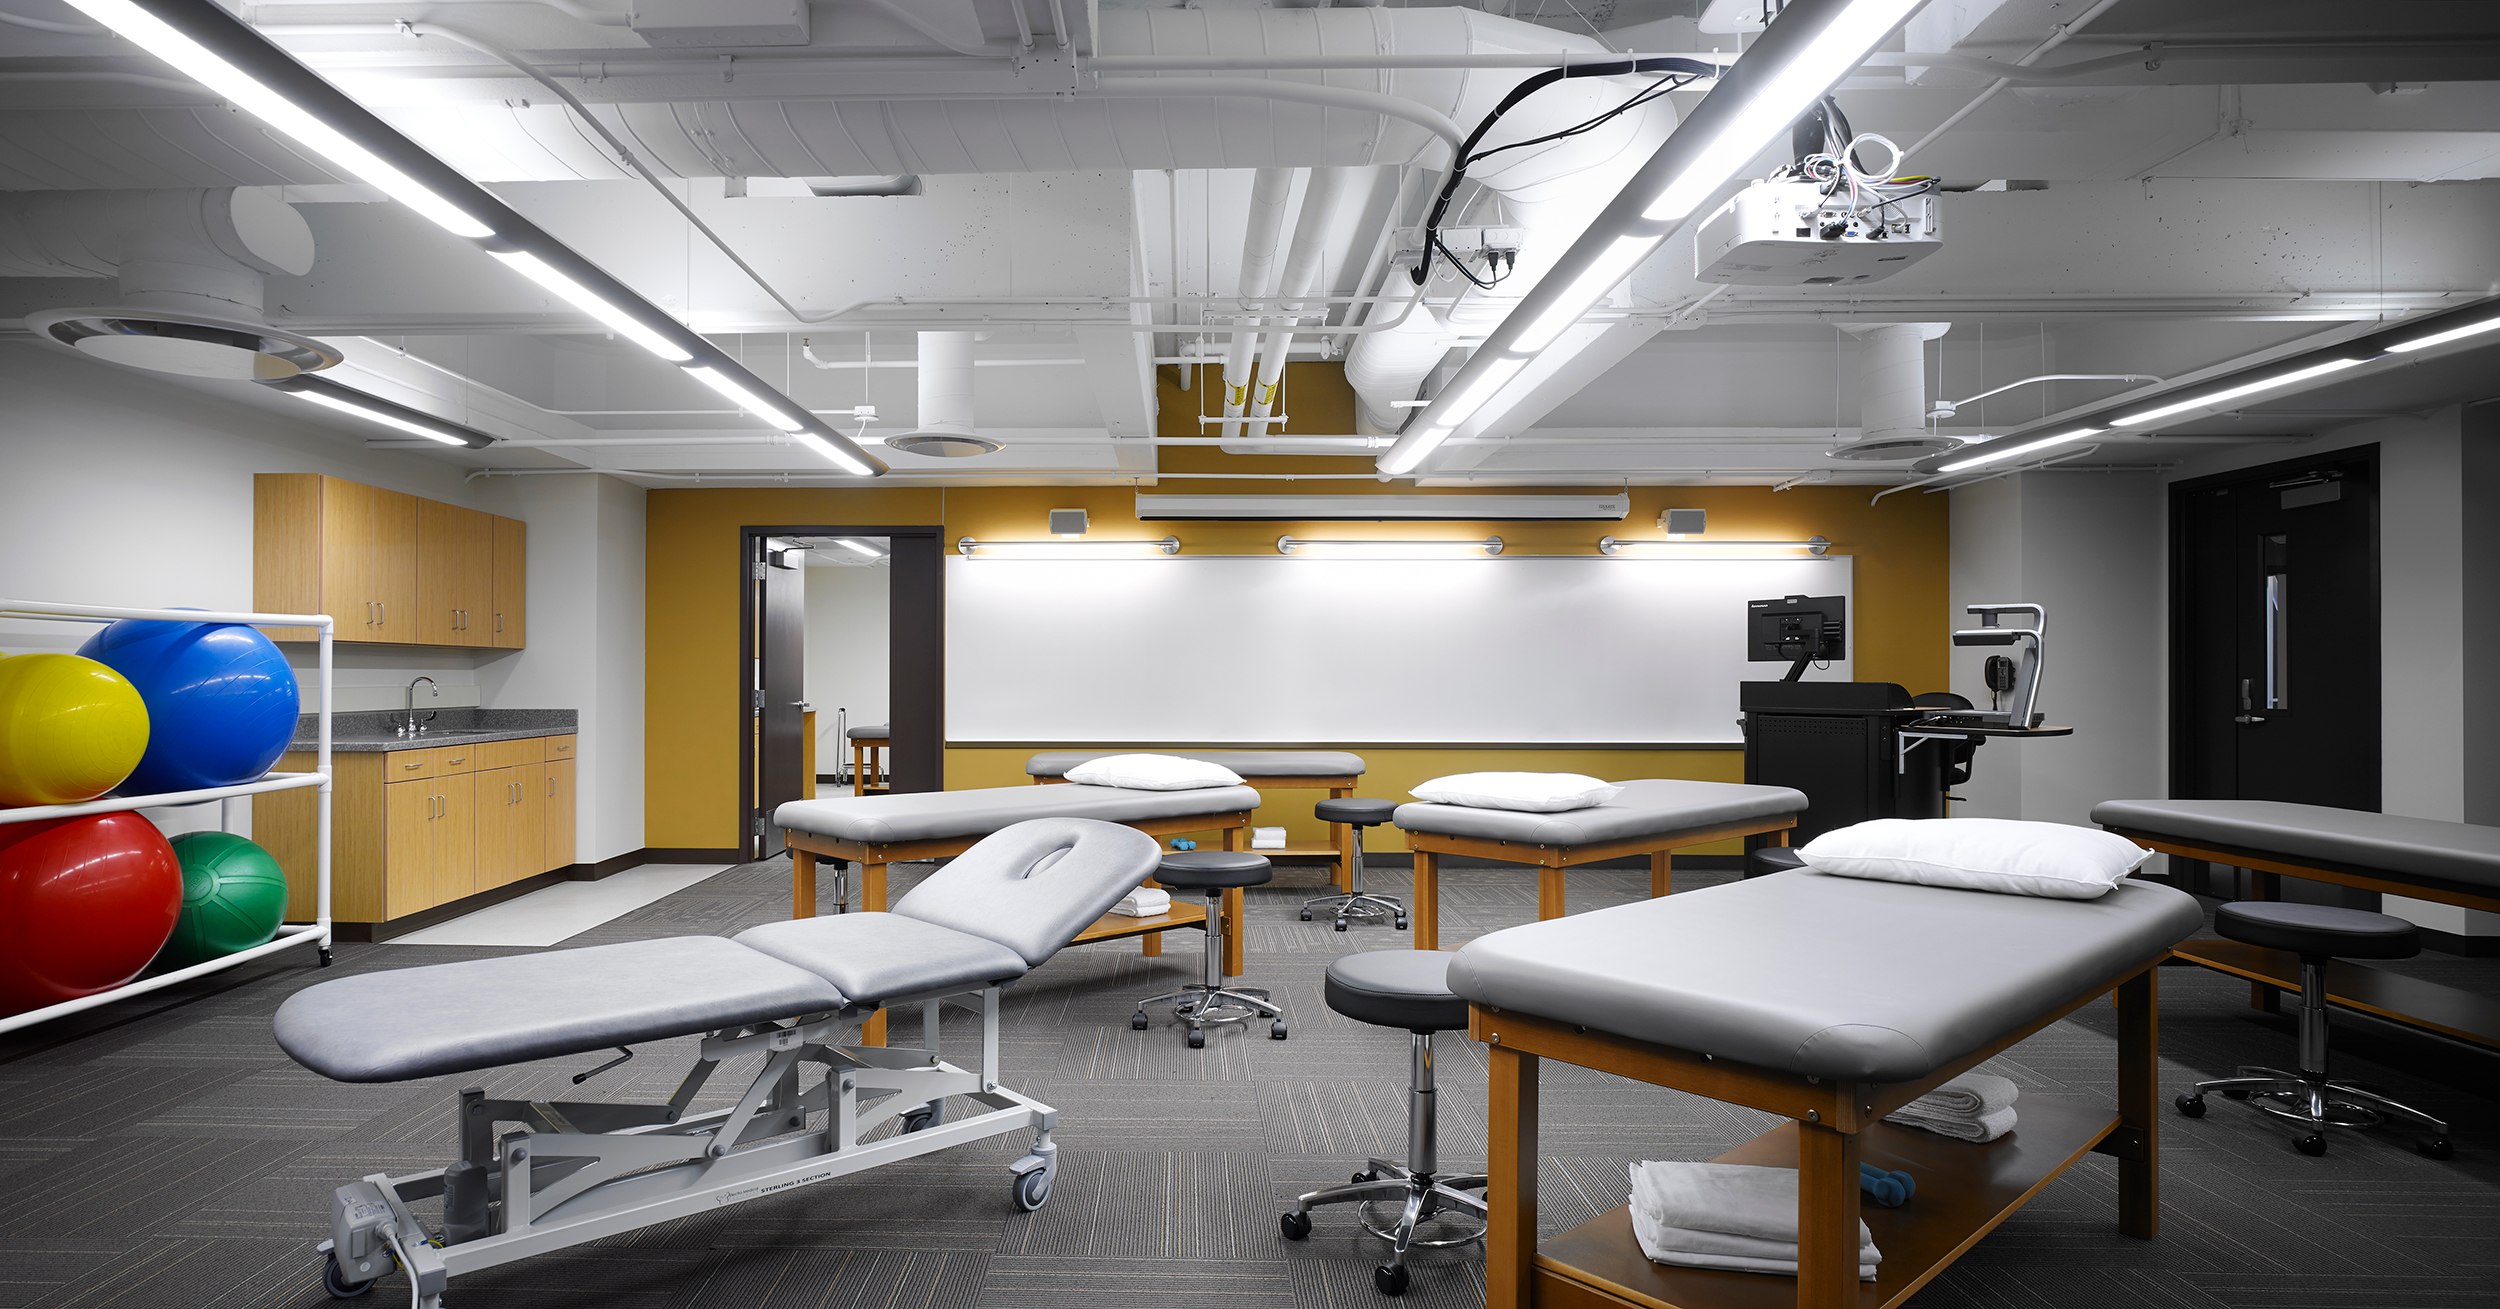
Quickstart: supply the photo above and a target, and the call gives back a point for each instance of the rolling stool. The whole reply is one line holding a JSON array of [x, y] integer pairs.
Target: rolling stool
[[1772, 859], [1409, 989], [2318, 934], [1201, 1003], [1357, 814]]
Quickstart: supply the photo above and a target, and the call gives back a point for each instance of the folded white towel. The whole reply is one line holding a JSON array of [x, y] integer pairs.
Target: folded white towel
[[1970, 1095], [1685, 1247], [1144, 902], [1961, 1127], [1735, 1199], [1267, 838]]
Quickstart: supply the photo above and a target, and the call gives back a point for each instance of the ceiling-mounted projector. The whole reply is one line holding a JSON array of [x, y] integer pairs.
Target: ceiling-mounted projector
[[1791, 234]]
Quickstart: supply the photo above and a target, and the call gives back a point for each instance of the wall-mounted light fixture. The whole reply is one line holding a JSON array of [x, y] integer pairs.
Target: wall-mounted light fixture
[[1815, 547], [970, 548], [374, 409], [1491, 545]]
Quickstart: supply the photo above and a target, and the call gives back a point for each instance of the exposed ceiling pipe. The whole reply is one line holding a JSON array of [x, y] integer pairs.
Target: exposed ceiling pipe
[[1312, 229], [1264, 220]]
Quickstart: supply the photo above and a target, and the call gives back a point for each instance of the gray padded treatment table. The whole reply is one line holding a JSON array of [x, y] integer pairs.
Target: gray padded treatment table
[[865, 743], [1831, 1002], [1335, 771], [2424, 858], [1652, 817]]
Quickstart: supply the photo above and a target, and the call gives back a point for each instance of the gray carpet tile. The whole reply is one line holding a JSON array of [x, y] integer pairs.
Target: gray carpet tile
[[163, 1152]]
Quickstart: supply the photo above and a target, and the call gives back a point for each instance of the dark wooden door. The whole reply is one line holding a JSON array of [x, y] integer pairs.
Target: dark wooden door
[[778, 694], [2276, 640]]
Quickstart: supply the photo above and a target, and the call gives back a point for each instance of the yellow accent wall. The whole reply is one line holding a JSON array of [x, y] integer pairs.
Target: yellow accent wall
[[1899, 619]]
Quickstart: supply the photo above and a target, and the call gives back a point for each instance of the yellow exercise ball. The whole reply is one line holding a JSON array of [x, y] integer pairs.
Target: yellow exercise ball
[[70, 729]]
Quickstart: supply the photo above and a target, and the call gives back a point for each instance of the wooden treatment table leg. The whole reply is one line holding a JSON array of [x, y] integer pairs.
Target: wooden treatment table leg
[[2139, 1105], [1510, 1168], [1427, 913], [1549, 893], [802, 884], [1661, 872], [1827, 1218], [1236, 954], [872, 900], [859, 784], [1340, 839]]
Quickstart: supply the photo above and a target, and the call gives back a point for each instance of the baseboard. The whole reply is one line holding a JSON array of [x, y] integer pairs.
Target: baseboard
[[444, 913], [693, 854], [2467, 947], [1686, 863], [608, 867]]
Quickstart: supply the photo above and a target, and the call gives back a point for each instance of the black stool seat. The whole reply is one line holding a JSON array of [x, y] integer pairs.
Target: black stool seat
[[1397, 988], [2318, 931], [1355, 810], [1772, 859], [1213, 870]]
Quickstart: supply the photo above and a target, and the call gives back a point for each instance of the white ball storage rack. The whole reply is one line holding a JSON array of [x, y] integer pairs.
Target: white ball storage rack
[[315, 933]]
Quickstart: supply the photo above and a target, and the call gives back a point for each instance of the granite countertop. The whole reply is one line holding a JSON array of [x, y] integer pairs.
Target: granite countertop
[[372, 731]]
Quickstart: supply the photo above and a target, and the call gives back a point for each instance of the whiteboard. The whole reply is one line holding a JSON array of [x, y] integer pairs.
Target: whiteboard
[[1552, 650]]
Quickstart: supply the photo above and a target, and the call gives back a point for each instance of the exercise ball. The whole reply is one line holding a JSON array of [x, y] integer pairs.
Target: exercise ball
[[85, 903], [70, 729], [233, 898], [221, 700]]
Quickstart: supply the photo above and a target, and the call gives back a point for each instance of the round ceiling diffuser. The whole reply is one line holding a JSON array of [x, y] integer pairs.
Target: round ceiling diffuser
[[231, 349], [942, 445], [1896, 447]]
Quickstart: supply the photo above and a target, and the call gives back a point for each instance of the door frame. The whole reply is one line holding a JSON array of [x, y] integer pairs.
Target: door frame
[[2175, 610], [916, 652]]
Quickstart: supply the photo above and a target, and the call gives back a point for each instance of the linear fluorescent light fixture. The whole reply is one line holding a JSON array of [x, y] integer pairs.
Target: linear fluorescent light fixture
[[375, 409], [624, 324], [1382, 508], [972, 548], [2209, 399], [859, 547], [1815, 546], [1991, 452], [1800, 55], [1491, 545], [195, 61], [744, 398], [2442, 336]]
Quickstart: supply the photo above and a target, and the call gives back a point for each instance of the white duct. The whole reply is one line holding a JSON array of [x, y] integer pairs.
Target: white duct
[[1303, 265], [1264, 220], [945, 384], [203, 250], [1892, 392]]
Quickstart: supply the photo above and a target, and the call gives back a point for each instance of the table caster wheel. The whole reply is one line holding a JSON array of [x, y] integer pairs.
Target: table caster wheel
[[1197, 1039], [1294, 1226], [2191, 1105], [1276, 1031], [325, 962], [336, 1283], [1032, 1190], [1390, 1279], [918, 1119], [2435, 1147], [1306, 915], [1137, 1021], [2312, 1145]]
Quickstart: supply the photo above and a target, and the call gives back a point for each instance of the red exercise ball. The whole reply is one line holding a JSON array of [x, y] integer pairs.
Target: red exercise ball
[[85, 903]]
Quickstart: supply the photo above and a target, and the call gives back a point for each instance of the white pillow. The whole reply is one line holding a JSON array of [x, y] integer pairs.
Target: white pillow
[[1980, 854], [1536, 793], [1153, 772]]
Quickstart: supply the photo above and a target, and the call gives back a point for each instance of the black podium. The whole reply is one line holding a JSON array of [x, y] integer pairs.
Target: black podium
[[1842, 744]]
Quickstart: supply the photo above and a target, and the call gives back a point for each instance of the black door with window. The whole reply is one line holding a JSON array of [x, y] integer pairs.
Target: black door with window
[[2275, 641]]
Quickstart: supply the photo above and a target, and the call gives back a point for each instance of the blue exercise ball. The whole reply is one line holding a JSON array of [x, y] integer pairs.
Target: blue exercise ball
[[222, 701]]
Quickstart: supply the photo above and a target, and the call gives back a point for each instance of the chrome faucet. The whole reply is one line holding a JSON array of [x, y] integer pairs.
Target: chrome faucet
[[410, 726]]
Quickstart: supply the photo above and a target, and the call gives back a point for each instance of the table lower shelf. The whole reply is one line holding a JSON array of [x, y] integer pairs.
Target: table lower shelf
[[1964, 1191], [1291, 851], [2376, 991], [1113, 927]]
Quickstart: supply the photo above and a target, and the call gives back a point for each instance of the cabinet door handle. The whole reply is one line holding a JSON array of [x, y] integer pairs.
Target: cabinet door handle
[[385, 607], [499, 622], [418, 764], [551, 788], [461, 760]]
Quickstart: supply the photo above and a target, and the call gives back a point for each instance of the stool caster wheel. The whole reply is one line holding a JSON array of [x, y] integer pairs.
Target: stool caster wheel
[[1276, 1031], [1137, 1021], [1360, 1178], [918, 1120], [1197, 1039], [1390, 1279], [2312, 1145], [336, 1283], [2435, 1147], [2235, 1093], [1340, 924], [2191, 1105], [1306, 915], [1294, 1226], [1401, 922]]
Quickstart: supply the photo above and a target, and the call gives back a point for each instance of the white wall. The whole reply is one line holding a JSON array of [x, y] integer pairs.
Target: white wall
[[848, 615]]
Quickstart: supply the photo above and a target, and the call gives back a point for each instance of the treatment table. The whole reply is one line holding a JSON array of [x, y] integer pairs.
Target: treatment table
[[1653, 817], [574, 1172], [1334, 771], [1830, 1001], [877, 830], [2446, 863]]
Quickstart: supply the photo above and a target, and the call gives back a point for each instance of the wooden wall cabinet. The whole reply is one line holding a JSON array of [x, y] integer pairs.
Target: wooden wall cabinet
[[390, 568], [414, 829]]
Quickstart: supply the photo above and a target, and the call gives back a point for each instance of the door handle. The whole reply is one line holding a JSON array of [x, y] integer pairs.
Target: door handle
[[2247, 718]]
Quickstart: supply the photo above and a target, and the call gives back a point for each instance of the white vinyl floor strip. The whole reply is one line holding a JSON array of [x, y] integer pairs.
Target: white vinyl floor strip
[[548, 916]]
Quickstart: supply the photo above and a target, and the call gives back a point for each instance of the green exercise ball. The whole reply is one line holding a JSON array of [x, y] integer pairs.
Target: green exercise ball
[[233, 898]]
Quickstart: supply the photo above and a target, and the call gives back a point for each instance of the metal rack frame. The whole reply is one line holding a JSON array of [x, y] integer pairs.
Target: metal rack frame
[[315, 933]]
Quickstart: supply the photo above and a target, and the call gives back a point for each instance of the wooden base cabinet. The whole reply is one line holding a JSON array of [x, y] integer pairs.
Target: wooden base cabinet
[[414, 829]]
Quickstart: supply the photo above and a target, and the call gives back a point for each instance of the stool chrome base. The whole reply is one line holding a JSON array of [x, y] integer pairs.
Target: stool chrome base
[[1421, 1197], [2316, 1102], [1359, 904], [1201, 1006]]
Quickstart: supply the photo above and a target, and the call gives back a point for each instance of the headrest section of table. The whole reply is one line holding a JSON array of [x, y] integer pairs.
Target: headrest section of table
[[1248, 763], [1820, 975], [403, 1023], [945, 815], [2466, 855], [1647, 807]]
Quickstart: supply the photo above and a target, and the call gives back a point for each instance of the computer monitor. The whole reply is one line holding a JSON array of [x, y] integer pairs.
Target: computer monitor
[[1797, 630]]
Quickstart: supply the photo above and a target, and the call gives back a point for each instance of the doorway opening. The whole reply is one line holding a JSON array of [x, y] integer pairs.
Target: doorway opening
[[841, 647], [2274, 621]]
